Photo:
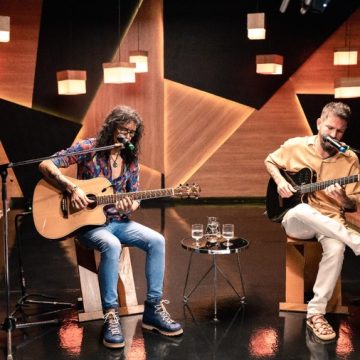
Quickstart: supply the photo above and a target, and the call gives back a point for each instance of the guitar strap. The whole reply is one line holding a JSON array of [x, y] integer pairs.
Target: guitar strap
[[289, 178]]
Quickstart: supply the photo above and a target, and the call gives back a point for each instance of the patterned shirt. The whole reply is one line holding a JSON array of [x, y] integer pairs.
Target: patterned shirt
[[90, 166]]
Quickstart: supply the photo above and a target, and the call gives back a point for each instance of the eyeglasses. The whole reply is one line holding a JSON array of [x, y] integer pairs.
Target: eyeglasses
[[125, 131]]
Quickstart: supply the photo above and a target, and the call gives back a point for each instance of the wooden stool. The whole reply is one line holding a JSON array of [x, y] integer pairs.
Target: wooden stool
[[90, 290], [302, 263]]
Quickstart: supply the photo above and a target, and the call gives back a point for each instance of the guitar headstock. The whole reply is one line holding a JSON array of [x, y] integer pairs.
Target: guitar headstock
[[188, 191]]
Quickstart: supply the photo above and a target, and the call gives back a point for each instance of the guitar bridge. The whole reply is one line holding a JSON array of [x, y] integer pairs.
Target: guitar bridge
[[64, 206]]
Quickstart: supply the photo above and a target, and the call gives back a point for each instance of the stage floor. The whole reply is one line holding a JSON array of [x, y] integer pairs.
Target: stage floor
[[255, 330]]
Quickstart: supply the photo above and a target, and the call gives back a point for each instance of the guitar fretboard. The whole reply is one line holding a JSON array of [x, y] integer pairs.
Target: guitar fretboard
[[308, 188], [147, 194]]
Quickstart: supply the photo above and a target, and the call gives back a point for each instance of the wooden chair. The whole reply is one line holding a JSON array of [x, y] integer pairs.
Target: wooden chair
[[302, 261], [87, 265]]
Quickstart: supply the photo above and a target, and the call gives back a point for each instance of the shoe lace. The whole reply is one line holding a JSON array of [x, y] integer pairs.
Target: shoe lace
[[161, 310], [112, 318]]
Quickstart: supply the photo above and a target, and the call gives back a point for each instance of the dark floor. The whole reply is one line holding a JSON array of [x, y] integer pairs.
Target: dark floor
[[255, 330]]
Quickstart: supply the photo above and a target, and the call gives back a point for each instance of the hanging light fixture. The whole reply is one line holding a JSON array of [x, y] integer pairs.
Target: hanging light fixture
[[348, 87], [71, 82], [4, 28], [256, 26], [120, 72], [346, 55], [269, 64], [139, 57]]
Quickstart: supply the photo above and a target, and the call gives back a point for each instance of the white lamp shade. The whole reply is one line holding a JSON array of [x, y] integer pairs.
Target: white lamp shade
[[140, 59], [119, 73], [347, 87], [4, 28], [256, 26], [270, 64], [345, 56], [71, 82]]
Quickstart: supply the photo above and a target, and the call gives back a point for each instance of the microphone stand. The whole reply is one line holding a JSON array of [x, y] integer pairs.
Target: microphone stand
[[9, 323]]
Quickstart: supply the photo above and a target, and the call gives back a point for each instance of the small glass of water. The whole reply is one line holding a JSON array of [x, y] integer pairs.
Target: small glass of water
[[197, 232], [228, 233]]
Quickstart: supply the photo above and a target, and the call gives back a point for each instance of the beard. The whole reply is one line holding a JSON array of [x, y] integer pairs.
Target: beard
[[327, 146]]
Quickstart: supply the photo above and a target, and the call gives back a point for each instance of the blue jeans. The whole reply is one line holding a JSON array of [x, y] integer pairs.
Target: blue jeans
[[107, 239]]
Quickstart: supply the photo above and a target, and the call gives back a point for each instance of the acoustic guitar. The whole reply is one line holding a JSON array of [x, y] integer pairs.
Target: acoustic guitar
[[55, 218], [304, 182]]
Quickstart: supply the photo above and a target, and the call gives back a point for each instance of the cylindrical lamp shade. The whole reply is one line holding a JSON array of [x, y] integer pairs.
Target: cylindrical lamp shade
[[270, 64], [4, 28], [71, 82], [256, 26], [119, 73], [347, 87], [140, 59], [345, 56]]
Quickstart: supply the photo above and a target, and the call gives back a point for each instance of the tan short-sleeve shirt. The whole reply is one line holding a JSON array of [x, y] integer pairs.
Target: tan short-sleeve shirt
[[300, 152]]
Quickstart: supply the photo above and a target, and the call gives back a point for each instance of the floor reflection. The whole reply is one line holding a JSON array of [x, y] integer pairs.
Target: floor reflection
[[254, 331], [264, 342], [214, 333]]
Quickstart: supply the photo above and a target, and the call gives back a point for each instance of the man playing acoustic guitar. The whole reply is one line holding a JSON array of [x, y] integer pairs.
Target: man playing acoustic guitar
[[120, 166], [323, 216]]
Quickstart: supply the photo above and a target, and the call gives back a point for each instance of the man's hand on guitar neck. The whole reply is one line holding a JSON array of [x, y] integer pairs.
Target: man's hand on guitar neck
[[285, 189], [337, 192]]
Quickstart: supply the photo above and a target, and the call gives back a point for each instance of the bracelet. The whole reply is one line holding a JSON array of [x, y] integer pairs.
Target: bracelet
[[73, 189]]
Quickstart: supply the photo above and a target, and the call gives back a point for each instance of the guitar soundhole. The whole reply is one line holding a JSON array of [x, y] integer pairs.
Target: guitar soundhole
[[93, 204]]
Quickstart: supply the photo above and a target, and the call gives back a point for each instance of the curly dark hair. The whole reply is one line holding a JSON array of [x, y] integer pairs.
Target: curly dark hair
[[120, 116]]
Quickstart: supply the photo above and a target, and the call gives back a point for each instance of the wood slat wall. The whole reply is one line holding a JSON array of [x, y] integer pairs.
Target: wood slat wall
[[18, 57], [189, 135], [146, 95], [236, 168]]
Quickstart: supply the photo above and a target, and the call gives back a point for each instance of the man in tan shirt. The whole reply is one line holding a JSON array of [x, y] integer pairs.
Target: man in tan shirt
[[323, 216]]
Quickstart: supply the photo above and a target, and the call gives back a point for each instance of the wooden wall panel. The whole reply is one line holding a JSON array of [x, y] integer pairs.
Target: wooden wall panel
[[146, 95], [317, 74], [197, 125], [18, 57], [237, 168]]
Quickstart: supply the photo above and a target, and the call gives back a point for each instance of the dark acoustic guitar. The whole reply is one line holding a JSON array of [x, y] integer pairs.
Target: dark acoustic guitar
[[304, 182]]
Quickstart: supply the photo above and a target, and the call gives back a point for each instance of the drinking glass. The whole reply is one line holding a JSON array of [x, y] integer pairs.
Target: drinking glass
[[228, 233], [197, 232]]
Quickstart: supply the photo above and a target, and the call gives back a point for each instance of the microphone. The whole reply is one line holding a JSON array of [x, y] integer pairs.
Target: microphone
[[336, 144], [123, 140]]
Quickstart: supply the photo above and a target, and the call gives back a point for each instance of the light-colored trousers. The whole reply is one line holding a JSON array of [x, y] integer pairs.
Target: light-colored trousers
[[305, 222]]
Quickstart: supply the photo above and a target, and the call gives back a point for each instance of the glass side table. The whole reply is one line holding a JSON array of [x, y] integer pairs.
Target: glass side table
[[219, 248]]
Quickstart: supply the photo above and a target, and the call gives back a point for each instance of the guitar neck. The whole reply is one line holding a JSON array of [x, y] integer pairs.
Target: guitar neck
[[140, 195], [308, 188]]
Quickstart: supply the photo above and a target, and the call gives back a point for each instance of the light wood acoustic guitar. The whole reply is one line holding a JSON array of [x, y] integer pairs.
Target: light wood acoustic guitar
[[55, 218]]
